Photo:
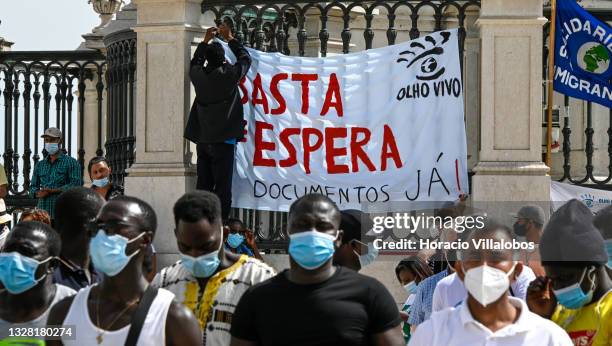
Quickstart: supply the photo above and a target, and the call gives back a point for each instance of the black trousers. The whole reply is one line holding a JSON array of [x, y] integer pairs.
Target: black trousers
[[215, 170]]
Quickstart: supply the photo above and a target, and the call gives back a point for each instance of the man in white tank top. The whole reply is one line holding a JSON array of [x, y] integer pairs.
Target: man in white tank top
[[102, 313], [27, 292]]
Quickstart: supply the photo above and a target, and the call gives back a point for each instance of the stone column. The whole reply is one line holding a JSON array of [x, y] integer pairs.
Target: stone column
[[510, 166], [162, 171], [90, 126]]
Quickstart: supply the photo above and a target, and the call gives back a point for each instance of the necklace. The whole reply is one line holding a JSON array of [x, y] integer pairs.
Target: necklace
[[100, 337]]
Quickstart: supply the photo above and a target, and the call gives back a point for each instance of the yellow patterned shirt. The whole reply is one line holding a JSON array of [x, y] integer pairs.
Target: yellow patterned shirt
[[215, 304], [590, 325]]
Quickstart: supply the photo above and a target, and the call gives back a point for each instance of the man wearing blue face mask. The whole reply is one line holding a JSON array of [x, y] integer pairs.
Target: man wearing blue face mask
[[27, 291], [353, 253], [54, 174], [208, 279], [241, 240], [315, 302], [105, 313], [100, 174], [577, 291]]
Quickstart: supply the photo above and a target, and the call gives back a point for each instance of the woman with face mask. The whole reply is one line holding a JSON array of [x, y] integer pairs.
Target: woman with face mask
[[410, 272]]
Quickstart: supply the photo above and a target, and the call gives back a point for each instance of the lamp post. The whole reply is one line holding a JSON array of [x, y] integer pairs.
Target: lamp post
[[106, 9]]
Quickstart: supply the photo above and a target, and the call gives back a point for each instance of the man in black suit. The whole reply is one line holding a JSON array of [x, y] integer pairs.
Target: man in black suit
[[216, 119]]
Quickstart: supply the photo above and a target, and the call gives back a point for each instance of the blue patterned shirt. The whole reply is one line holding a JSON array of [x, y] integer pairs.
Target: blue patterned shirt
[[420, 311], [64, 174]]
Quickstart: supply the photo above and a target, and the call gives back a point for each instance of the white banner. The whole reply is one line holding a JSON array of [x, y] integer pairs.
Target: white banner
[[378, 126], [594, 199]]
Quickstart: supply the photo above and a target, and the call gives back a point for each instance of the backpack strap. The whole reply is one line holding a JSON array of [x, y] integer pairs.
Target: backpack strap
[[140, 315]]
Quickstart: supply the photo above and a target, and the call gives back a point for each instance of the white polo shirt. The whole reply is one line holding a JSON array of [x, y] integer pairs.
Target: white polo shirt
[[457, 327], [450, 291]]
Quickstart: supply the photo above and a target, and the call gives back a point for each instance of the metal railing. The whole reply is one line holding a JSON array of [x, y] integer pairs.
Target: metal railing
[[121, 105], [41, 90], [48, 89], [591, 176], [283, 27]]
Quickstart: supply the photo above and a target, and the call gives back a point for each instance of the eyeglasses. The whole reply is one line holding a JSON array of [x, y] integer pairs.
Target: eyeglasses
[[109, 227]]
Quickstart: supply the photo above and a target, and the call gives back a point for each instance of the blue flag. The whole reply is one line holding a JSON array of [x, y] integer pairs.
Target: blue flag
[[583, 48]]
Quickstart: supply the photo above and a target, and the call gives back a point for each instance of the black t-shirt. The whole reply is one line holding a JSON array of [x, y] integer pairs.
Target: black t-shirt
[[346, 309]]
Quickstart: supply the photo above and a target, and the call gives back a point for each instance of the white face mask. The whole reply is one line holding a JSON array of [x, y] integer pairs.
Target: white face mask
[[487, 284]]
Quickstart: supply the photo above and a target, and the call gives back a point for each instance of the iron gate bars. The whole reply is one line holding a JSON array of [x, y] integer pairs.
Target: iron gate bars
[[38, 90]]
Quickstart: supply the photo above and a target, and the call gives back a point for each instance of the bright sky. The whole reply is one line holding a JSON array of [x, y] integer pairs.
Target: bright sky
[[46, 24]]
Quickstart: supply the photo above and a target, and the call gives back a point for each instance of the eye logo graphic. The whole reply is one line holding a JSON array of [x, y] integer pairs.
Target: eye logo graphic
[[588, 199], [426, 56]]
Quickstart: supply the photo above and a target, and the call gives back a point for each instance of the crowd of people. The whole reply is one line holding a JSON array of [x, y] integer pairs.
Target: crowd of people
[[89, 271], [84, 259]]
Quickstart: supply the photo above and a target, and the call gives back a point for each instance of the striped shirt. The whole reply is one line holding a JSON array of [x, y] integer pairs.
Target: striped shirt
[[214, 305], [64, 174]]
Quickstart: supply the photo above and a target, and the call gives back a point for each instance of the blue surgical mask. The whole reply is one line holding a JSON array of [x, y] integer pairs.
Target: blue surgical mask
[[203, 266], [311, 249], [572, 297], [234, 240], [52, 148], [410, 287], [108, 252], [369, 257], [101, 182], [609, 250], [18, 272]]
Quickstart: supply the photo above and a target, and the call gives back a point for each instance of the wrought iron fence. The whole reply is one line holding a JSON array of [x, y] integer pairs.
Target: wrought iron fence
[[564, 169], [49, 88], [121, 106], [283, 27], [41, 90]]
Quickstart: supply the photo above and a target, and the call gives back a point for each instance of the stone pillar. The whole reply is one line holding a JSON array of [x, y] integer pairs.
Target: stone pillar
[[90, 126], [162, 171], [510, 166]]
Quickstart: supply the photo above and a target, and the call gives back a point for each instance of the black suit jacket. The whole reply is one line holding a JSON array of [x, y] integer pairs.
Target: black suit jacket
[[217, 115]]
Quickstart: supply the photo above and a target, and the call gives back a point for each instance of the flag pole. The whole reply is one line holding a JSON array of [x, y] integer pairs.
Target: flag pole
[[551, 76]]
